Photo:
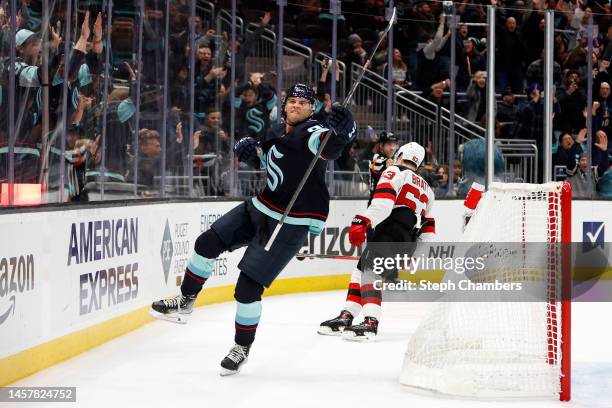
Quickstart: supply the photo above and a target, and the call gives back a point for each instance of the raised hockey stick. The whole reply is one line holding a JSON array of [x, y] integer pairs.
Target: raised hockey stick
[[324, 142]]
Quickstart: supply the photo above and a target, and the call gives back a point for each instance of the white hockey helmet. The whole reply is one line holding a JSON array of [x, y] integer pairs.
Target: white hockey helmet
[[412, 152]]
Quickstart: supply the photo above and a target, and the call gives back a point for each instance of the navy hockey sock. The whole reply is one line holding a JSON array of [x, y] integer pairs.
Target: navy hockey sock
[[197, 272], [248, 309], [207, 247]]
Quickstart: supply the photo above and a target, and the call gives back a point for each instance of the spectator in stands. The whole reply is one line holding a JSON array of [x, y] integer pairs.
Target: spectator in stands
[[323, 102], [148, 162], [507, 111], [601, 152], [425, 23], [245, 49], [531, 117], [436, 93], [602, 109], [477, 97], [510, 56], [604, 185], [211, 138], [28, 83], [399, 70], [253, 108], [572, 102], [581, 186], [603, 73], [531, 121], [560, 51], [207, 87], [441, 189], [356, 54], [533, 31], [470, 62], [535, 71], [569, 151], [368, 13], [429, 65]]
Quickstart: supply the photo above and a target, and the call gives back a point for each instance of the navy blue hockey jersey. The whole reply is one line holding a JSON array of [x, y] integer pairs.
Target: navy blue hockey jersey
[[286, 159]]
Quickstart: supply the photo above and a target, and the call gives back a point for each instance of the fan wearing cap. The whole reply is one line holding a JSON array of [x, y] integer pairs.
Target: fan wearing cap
[[400, 213], [387, 146], [29, 74]]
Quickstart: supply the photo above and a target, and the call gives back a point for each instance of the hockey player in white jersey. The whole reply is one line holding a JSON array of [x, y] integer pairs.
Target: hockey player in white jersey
[[400, 211]]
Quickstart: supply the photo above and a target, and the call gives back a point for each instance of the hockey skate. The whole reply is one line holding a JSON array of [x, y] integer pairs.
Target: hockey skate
[[364, 331], [334, 327], [175, 309], [234, 360]]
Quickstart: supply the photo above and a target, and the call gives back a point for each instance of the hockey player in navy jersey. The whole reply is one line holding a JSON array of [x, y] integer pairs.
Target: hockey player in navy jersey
[[251, 223], [400, 211]]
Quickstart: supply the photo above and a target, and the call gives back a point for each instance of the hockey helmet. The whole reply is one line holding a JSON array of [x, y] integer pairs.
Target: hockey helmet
[[299, 91], [412, 152], [387, 137]]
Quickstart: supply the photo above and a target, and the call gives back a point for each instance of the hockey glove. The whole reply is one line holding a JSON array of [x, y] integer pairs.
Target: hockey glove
[[358, 230], [248, 151], [340, 120]]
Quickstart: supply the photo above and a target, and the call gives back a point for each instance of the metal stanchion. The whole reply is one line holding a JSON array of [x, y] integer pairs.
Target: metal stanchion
[[490, 162], [548, 92]]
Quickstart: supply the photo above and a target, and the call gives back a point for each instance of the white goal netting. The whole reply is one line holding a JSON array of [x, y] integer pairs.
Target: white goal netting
[[501, 349]]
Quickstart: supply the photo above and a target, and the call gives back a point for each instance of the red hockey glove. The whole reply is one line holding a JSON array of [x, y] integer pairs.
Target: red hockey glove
[[358, 230]]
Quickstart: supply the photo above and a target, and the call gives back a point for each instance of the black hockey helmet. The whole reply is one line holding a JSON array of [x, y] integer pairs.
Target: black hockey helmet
[[387, 137], [299, 91]]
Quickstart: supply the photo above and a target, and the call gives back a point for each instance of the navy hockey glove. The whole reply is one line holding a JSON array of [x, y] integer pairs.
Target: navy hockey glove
[[248, 151], [340, 120]]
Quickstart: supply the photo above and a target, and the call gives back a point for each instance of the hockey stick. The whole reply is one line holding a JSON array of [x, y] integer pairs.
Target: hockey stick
[[325, 140], [325, 256]]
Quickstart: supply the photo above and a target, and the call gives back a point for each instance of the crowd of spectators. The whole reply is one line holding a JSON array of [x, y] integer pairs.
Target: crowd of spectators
[[138, 149]]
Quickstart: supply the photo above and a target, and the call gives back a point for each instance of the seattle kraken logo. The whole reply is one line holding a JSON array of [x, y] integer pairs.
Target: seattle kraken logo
[[256, 123], [275, 174]]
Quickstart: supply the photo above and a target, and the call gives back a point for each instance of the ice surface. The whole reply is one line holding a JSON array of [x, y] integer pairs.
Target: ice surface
[[165, 364]]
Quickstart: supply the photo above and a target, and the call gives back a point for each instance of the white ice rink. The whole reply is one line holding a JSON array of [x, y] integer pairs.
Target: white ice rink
[[169, 365]]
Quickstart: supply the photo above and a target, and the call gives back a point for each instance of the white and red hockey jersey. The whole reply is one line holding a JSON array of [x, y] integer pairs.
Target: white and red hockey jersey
[[400, 187]]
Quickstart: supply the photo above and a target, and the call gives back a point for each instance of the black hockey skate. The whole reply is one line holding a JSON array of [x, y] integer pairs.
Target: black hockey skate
[[174, 310], [237, 356], [334, 327], [364, 331]]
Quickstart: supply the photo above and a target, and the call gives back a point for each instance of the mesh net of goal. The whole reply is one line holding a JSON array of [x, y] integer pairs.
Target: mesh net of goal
[[499, 349]]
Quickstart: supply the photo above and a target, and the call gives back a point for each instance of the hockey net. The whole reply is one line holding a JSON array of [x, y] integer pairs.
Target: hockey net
[[505, 349]]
